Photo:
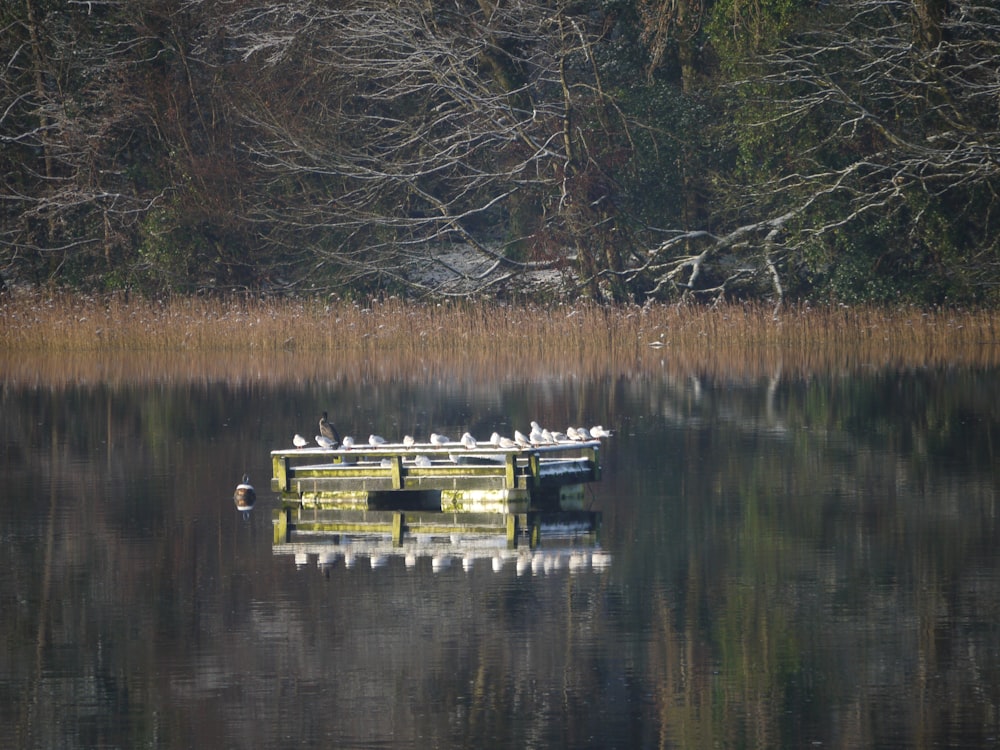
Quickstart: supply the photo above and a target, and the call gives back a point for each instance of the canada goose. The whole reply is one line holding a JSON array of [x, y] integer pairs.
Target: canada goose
[[245, 497], [328, 430]]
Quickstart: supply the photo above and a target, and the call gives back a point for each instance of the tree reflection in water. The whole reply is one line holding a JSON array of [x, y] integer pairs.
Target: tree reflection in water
[[797, 558]]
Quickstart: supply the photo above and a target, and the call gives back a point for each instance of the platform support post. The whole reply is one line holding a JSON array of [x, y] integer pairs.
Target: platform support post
[[397, 529], [281, 526], [535, 463], [279, 466], [511, 530], [397, 472], [534, 530], [510, 471]]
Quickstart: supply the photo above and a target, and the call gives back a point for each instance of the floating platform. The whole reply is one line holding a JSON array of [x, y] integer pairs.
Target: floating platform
[[423, 489]]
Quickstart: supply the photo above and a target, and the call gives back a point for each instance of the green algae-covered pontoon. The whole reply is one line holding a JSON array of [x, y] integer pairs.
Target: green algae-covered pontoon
[[433, 489]]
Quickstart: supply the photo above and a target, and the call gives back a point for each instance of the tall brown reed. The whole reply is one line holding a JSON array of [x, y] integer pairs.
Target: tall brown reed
[[294, 339]]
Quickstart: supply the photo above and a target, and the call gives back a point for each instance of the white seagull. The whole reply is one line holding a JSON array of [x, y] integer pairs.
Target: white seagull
[[324, 442], [376, 440], [502, 442], [468, 441], [439, 439], [408, 441], [299, 441], [521, 440], [599, 432], [347, 443], [422, 461]]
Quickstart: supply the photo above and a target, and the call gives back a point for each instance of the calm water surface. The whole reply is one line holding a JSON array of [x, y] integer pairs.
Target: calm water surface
[[807, 562]]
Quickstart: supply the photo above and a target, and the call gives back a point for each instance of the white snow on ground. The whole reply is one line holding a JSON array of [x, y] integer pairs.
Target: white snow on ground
[[461, 269]]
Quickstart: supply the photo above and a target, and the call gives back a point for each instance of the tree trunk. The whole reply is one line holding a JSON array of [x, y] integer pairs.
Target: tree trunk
[[929, 15], [44, 123]]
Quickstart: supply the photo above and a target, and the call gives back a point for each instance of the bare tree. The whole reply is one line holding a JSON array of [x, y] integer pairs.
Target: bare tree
[[69, 122], [887, 113], [388, 130]]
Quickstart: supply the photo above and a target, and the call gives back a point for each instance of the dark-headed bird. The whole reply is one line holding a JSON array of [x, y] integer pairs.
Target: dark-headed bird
[[327, 430], [245, 497]]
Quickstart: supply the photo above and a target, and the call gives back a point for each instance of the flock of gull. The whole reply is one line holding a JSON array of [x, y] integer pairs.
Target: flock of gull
[[330, 439]]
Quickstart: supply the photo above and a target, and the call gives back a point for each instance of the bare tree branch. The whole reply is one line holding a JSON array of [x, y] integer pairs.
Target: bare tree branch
[[899, 121], [417, 126]]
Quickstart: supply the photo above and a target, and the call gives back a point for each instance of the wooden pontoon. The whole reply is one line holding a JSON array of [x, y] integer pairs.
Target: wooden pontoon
[[434, 489]]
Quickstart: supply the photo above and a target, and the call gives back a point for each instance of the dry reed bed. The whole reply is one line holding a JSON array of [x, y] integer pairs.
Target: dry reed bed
[[111, 340]]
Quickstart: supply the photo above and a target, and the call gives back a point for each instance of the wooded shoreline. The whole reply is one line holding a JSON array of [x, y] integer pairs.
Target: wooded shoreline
[[618, 150]]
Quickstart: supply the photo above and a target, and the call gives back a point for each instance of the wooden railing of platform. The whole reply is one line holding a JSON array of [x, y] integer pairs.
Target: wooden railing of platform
[[395, 467]]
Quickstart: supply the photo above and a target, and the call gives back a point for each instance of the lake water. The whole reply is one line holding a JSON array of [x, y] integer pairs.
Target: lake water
[[790, 561]]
